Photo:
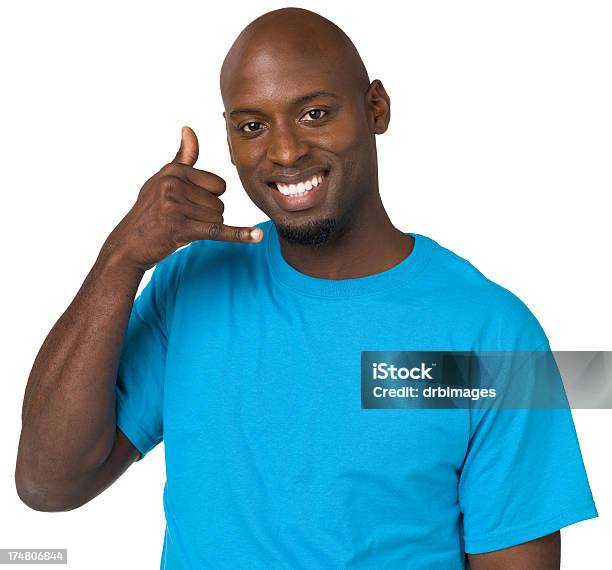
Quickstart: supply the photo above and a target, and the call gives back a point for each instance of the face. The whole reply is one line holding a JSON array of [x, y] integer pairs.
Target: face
[[302, 140]]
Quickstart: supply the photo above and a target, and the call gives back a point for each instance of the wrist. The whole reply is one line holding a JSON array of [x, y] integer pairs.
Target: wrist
[[113, 259]]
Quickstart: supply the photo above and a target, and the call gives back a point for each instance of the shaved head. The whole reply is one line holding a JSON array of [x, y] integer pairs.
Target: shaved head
[[304, 33], [301, 115]]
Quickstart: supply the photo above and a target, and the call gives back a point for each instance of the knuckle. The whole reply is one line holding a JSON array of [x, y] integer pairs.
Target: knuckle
[[216, 183], [212, 216], [169, 169], [169, 187], [214, 230], [216, 218], [215, 204]]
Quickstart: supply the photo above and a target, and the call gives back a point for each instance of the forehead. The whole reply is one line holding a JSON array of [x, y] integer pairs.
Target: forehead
[[274, 74]]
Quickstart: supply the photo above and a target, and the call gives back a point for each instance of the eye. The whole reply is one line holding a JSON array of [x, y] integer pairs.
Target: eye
[[250, 127], [314, 115]]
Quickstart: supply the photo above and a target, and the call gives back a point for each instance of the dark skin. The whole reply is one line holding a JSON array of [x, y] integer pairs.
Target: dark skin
[[290, 131], [311, 108], [539, 554]]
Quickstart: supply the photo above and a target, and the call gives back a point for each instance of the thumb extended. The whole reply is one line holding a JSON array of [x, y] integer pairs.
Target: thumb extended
[[189, 149]]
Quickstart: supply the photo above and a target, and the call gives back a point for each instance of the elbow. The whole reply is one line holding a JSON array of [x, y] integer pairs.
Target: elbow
[[40, 499], [54, 485], [43, 497]]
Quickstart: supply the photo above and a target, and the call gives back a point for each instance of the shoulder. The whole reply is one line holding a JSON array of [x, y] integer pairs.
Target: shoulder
[[470, 291]]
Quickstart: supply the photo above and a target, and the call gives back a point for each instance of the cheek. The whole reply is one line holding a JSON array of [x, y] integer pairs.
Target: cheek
[[344, 138], [246, 156], [248, 153], [246, 164]]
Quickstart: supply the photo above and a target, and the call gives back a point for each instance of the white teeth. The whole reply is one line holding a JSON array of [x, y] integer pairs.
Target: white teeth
[[301, 188]]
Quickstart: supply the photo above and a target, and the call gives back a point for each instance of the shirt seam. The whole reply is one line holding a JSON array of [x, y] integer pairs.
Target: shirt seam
[[387, 289], [486, 538], [148, 441]]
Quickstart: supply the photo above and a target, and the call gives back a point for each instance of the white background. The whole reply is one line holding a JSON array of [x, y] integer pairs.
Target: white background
[[499, 148]]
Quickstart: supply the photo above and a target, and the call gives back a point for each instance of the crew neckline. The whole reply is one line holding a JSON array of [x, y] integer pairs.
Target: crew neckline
[[403, 273]]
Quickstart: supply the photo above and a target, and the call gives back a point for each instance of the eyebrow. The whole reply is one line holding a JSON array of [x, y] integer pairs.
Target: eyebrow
[[297, 101], [309, 96]]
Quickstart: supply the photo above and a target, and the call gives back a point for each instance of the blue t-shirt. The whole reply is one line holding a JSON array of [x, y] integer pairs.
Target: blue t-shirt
[[249, 371]]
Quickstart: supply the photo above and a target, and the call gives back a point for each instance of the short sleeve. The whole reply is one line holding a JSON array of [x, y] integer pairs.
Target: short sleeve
[[139, 388], [523, 477]]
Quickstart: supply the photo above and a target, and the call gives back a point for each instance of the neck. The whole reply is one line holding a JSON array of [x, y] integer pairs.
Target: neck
[[365, 244]]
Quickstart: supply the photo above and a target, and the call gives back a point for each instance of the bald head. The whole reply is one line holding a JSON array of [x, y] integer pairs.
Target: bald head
[[301, 116], [298, 34]]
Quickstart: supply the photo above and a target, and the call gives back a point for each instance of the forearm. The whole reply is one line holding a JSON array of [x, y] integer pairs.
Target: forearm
[[68, 411]]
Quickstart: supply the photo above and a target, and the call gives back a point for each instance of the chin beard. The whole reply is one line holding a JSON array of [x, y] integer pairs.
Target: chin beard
[[316, 232]]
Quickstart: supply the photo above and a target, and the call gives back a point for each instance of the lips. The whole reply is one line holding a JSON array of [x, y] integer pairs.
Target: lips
[[298, 182], [300, 192], [298, 188]]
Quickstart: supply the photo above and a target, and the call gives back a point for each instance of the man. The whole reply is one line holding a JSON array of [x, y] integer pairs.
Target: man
[[243, 352]]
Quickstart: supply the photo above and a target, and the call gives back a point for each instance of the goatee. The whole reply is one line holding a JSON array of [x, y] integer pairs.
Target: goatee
[[314, 232]]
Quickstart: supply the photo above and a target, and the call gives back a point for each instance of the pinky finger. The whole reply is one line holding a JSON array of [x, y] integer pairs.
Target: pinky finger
[[217, 231]]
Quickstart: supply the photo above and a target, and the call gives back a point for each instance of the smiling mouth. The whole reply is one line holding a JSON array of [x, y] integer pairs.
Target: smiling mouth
[[300, 188]]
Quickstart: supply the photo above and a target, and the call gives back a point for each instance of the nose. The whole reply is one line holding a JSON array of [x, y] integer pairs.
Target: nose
[[286, 147]]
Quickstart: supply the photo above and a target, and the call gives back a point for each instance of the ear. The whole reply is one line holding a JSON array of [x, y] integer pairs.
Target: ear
[[229, 146], [378, 107]]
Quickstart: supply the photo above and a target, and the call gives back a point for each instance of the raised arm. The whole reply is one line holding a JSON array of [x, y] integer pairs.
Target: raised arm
[[70, 448]]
